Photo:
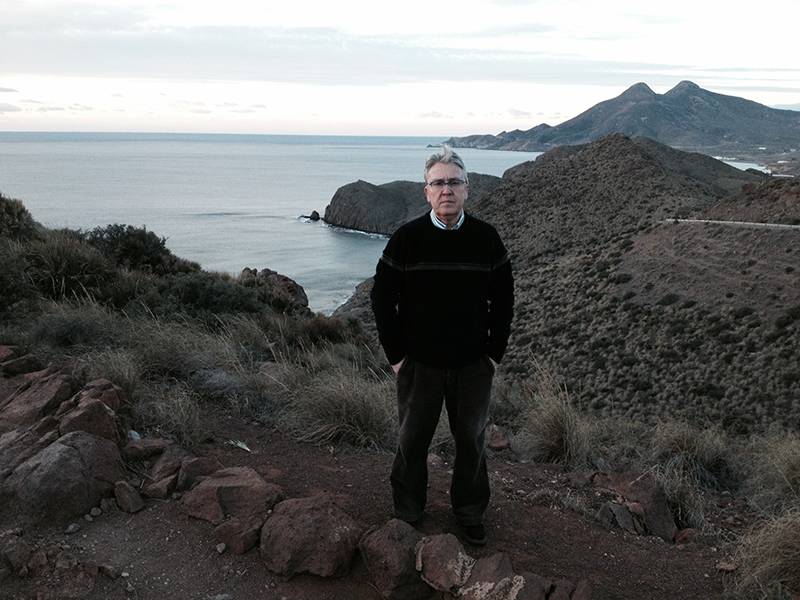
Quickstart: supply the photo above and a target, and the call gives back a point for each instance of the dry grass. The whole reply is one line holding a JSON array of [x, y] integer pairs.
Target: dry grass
[[118, 366], [551, 429], [772, 472], [172, 411], [769, 559]]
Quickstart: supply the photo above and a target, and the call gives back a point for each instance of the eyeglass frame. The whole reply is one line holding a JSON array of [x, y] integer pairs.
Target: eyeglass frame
[[454, 183]]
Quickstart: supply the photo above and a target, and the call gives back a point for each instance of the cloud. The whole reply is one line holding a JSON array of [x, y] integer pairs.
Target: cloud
[[243, 110], [50, 108], [31, 101], [5, 89], [434, 114], [519, 114], [515, 29], [77, 106], [6, 108], [787, 106], [200, 111]]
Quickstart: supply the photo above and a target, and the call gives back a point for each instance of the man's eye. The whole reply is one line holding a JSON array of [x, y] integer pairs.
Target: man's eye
[[437, 183]]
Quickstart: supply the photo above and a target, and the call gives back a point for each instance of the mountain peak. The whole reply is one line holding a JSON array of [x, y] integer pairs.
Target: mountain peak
[[638, 91], [684, 87]]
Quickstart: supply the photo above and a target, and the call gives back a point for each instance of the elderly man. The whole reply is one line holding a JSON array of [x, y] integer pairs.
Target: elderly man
[[443, 300]]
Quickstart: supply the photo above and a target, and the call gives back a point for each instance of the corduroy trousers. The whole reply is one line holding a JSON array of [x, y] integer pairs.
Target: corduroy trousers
[[465, 391]]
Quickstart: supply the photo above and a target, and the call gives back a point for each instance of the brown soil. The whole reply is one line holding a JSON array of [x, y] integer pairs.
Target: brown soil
[[167, 554]]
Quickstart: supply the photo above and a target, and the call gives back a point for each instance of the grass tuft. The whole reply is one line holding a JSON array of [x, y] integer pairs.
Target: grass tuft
[[769, 559]]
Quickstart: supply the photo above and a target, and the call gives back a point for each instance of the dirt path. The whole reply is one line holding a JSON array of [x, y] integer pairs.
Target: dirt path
[[167, 554]]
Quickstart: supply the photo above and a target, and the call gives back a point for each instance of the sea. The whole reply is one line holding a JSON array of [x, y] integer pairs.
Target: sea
[[225, 201]]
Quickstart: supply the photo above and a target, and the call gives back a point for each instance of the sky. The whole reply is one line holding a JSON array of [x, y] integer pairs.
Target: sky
[[414, 67]]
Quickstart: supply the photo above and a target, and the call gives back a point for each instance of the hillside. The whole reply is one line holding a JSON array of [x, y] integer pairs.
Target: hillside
[[687, 116], [640, 316]]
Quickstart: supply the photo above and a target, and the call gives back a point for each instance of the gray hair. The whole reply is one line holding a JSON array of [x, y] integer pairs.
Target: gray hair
[[445, 156]]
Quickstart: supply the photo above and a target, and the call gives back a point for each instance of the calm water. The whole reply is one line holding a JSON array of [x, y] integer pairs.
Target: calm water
[[225, 201]]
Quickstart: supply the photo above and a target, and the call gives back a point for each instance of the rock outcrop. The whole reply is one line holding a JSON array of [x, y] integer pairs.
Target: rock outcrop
[[383, 208]]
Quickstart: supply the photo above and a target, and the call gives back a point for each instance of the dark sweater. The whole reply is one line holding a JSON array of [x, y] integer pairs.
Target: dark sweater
[[443, 297]]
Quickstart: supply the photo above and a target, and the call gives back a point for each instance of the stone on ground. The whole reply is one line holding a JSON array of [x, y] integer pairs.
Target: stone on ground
[[444, 564], [236, 492]]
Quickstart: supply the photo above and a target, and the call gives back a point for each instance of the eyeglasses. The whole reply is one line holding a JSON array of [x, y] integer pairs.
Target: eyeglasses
[[453, 184]]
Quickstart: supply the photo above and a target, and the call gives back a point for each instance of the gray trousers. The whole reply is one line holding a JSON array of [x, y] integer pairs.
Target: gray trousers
[[465, 392]]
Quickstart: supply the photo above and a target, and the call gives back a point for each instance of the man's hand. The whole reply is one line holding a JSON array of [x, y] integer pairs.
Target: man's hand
[[396, 368]]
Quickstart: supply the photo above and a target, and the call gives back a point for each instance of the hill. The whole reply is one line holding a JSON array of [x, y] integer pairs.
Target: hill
[[687, 116], [641, 316]]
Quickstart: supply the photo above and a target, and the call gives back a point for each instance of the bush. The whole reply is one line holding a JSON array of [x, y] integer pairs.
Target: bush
[[201, 294], [119, 366], [82, 324], [136, 248], [16, 222], [769, 556], [61, 266], [15, 285], [551, 429]]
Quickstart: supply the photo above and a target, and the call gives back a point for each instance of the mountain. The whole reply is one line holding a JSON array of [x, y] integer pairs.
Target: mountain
[[687, 116]]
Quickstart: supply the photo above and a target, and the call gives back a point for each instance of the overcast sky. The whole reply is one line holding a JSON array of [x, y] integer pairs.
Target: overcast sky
[[410, 67]]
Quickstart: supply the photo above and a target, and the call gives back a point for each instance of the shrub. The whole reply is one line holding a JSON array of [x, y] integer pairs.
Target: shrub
[[769, 556], [136, 248], [119, 366], [551, 429], [81, 324], [201, 294], [16, 222], [61, 266], [706, 454], [15, 285]]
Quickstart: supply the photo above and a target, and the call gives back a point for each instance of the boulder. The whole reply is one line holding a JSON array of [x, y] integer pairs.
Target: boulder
[[145, 448], [27, 363], [66, 478], [239, 535], [390, 557], [195, 467], [492, 578], [612, 514], [169, 463], [236, 491], [278, 290], [92, 416], [128, 499], [8, 352], [444, 564], [647, 493], [35, 399], [496, 438], [162, 488], [16, 551], [309, 535]]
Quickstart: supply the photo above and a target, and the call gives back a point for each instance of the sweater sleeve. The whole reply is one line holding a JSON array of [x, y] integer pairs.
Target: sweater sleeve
[[385, 295], [501, 302]]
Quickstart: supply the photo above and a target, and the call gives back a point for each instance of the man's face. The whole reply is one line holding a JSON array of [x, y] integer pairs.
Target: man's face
[[447, 202]]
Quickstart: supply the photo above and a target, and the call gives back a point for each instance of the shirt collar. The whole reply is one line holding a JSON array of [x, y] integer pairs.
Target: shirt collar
[[437, 223]]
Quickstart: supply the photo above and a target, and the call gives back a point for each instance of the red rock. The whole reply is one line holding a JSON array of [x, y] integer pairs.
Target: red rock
[[162, 488], [536, 587], [239, 535], [91, 416], [35, 399], [444, 564], [37, 562], [309, 535], [236, 491], [66, 478], [169, 463], [143, 449], [27, 363], [643, 489], [8, 352], [102, 389], [128, 499], [390, 557], [563, 589], [192, 468], [491, 577], [17, 552]]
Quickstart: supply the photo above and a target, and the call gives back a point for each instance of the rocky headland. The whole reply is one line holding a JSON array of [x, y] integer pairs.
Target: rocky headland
[[371, 208]]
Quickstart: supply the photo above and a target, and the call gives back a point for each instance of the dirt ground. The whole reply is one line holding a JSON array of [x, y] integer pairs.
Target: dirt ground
[[164, 553]]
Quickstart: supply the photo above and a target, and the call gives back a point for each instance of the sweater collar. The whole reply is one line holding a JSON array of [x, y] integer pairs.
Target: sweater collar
[[440, 225]]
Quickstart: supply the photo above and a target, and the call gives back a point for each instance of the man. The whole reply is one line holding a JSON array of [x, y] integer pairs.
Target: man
[[443, 300]]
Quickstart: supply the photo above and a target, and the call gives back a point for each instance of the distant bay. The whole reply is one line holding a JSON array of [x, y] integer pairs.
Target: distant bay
[[225, 201]]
